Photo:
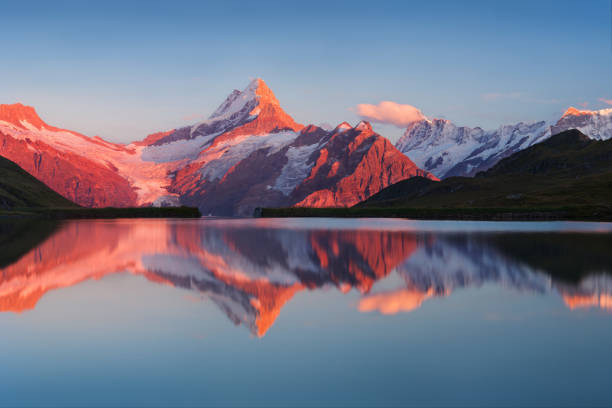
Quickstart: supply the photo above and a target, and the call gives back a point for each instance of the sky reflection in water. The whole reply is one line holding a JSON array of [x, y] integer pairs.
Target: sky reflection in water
[[346, 312]]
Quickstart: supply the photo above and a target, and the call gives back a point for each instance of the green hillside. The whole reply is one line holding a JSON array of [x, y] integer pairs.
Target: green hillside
[[19, 190]]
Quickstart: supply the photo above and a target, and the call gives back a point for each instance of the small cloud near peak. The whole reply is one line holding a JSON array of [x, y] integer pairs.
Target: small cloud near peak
[[390, 113], [606, 101]]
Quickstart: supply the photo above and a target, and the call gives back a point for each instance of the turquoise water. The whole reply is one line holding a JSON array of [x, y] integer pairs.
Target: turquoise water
[[306, 312]]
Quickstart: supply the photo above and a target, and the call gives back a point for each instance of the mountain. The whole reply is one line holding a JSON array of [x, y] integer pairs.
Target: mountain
[[568, 169], [19, 189], [447, 150], [249, 153]]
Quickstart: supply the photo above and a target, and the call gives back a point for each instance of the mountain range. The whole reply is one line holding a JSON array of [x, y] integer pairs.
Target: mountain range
[[248, 153], [447, 150]]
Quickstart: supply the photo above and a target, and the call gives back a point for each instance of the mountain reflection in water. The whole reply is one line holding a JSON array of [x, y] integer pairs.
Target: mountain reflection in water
[[251, 268]]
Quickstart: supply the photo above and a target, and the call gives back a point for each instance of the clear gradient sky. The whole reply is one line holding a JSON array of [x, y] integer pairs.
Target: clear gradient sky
[[122, 71]]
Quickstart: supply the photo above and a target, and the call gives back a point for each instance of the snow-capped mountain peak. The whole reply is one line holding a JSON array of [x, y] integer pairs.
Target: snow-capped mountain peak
[[252, 97], [595, 124], [342, 127], [364, 126], [253, 111]]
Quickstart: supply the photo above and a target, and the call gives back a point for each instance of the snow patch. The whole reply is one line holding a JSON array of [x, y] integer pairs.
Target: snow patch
[[296, 169], [177, 150], [217, 160]]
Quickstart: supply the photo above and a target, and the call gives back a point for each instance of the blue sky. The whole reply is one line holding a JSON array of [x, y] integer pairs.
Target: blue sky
[[122, 71]]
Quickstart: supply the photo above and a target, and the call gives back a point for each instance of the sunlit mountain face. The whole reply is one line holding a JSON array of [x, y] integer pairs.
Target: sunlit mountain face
[[251, 268]]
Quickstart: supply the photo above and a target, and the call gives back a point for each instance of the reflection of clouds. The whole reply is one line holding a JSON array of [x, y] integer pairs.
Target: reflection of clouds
[[603, 301], [593, 291], [388, 303]]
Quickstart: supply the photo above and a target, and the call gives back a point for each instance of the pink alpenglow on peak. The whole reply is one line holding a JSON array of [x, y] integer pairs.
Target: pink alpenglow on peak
[[576, 112], [20, 115], [343, 126], [364, 126]]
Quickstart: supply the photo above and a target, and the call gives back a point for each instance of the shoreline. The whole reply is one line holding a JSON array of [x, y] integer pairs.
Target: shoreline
[[601, 214], [101, 213]]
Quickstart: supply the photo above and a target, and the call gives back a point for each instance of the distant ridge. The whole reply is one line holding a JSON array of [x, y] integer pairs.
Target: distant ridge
[[447, 150], [567, 170]]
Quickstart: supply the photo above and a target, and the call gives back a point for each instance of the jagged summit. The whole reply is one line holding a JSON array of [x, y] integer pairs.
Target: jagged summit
[[18, 113], [343, 126], [263, 92], [251, 99], [364, 126]]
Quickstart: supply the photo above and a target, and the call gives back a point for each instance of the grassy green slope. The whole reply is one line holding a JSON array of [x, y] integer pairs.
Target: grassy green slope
[[19, 189]]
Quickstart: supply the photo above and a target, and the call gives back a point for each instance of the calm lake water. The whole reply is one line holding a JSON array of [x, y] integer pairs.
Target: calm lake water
[[307, 312]]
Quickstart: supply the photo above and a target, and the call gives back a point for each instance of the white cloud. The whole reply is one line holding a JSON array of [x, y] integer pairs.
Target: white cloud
[[391, 113], [606, 101]]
